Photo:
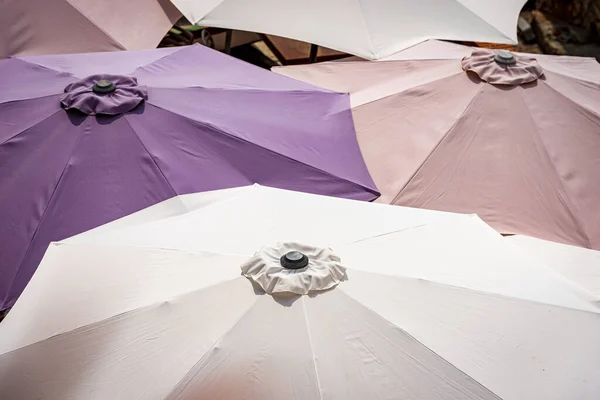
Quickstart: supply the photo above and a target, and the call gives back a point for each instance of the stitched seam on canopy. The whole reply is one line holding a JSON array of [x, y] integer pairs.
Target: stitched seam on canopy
[[568, 202], [429, 350], [30, 98], [45, 67], [366, 26], [158, 60], [248, 90], [216, 129], [177, 388], [77, 77], [30, 127], [570, 100], [459, 72], [562, 74], [251, 91], [446, 135], [312, 352], [41, 221], [128, 312], [595, 314], [383, 234], [95, 24], [150, 155], [284, 77], [486, 21], [196, 20]]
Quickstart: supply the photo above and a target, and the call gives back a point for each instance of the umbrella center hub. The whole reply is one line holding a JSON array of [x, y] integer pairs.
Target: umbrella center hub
[[502, 67], [293, 268], [505, 58], [293, 260], [104, 86], [104, 94]]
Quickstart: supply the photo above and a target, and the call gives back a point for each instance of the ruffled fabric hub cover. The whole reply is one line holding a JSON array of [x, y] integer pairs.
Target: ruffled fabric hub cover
[[324, 270], [482, 62], [125, 97]]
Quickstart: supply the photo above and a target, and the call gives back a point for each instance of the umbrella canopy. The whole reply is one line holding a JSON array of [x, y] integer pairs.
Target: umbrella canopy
[[515, 141], [371, 29], [77, 26], [383, 302], [185, 120], [579, 265]]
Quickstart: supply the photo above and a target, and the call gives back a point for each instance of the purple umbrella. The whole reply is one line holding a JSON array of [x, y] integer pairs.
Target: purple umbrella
[[88, 138]]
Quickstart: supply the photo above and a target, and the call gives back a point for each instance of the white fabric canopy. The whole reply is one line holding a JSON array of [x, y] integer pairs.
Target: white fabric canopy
[[367, 28], [433, 306], [578, 264]]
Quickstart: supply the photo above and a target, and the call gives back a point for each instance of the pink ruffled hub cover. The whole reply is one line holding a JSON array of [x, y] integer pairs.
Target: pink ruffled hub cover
[[126, 97], [481, 62], [324, 270]]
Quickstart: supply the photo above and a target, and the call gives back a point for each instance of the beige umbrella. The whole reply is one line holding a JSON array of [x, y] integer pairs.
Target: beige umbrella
[[513, 138], [29, 27]]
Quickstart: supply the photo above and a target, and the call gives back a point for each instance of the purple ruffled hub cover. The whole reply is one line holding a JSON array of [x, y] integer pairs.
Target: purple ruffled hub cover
[[122, 96], [180, 120]]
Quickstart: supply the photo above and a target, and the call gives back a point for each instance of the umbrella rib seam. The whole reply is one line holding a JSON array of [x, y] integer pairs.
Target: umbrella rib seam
[[570, 100], [320, 91], [142, 308], [31, 98], [427, 348], [564, 75], [481, 292], [568, 202], [95, 24], [366, 26], [41, 221], [30, 127], [212, 346], [312, 352], [151, 157], [404, 90], [45, 68], [157, 61], [438, 145], [380, 235], [231, 60], [211, 127], [486, 21]]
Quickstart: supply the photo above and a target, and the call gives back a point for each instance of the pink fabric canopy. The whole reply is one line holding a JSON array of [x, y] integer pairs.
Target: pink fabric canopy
[[450, 128], [29, 27]]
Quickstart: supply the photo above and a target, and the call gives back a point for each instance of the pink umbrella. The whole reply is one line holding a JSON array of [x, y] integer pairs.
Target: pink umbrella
[[514, 138], [30, 27]]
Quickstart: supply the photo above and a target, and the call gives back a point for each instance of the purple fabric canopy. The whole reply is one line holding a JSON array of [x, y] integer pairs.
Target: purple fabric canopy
[[185, 120]]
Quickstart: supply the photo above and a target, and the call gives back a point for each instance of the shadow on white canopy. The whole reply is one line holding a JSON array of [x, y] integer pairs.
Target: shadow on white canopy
[[432, 305]]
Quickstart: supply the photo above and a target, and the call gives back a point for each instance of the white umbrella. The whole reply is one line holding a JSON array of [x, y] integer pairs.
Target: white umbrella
[[394, 303], [578, 264], [367, 28]]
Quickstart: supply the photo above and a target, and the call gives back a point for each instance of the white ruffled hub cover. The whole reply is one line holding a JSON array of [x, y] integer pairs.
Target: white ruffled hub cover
[[324, 270]]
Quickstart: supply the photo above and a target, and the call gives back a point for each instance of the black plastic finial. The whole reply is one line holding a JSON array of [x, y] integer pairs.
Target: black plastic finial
[[505, 58], [104, 86], [293, 260]]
